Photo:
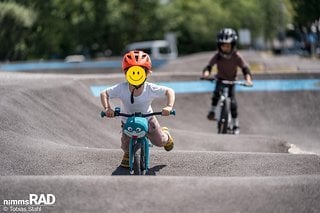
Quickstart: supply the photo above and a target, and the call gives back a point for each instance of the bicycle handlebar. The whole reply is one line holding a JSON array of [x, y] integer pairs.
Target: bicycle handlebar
[[136, 114], [227, 82]]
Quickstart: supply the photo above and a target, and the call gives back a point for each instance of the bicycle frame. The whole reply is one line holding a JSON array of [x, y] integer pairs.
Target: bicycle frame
[[224, 122], [223, 113], [136, 128]]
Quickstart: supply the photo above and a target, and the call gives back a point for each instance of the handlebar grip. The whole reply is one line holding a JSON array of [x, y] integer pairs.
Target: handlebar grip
[[102, 114], [173, 112], [116, 112], [207, 79]]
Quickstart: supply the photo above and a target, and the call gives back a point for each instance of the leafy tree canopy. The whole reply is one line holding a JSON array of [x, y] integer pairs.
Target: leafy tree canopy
[[56, 28], [15, 20]]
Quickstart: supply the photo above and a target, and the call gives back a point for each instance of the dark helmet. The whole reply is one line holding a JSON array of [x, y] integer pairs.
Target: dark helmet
[[227, 35]]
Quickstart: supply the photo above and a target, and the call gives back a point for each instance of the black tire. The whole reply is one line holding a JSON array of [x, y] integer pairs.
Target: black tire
[[223, 121], [138, 162]]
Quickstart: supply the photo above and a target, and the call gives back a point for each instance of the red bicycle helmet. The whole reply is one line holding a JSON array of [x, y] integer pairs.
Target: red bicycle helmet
[[136, 58]]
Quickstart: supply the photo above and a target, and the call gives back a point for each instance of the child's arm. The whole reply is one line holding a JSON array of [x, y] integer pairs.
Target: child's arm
[[170, 102], [247, 75], [206, 72], [104, 98], [248, 80]]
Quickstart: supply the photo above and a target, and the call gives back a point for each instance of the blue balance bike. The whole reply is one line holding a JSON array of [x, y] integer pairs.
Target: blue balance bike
[[137, 129]]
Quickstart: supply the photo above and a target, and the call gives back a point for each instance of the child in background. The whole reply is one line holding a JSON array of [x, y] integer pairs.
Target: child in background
[[227, 60]]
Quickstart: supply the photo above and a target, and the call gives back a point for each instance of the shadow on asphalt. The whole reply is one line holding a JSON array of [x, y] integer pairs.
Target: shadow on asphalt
[[155, 169], [125, 171]]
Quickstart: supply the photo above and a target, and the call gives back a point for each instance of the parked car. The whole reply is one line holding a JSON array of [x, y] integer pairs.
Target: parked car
[[157, 49]]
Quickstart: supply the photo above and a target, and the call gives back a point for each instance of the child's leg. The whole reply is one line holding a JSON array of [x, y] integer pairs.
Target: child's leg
[[214, 101], [125, 147], [233, 104], [215, 97], [234, 110], [125, 143], [156, 135]]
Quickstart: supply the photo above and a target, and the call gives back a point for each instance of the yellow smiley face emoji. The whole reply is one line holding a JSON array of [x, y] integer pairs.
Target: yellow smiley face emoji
[[136, 75]]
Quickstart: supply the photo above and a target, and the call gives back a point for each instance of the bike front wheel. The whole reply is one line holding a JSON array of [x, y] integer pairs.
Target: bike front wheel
[[224, 119], [139, 160]]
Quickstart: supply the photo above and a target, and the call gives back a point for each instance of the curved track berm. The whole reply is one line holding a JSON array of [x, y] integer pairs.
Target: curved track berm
[[53, 141]]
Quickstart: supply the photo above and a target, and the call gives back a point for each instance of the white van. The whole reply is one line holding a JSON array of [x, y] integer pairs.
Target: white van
[[157, 49]]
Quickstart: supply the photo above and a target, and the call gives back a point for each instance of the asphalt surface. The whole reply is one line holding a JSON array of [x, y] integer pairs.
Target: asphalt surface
[[54, 142]]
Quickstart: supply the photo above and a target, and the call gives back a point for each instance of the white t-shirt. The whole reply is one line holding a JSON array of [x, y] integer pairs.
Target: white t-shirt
[[142, 103]]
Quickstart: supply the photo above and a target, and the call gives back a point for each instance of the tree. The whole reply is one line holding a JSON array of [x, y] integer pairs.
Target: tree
[[134, 20], [91, 27], [15, 22], [196, 23], [306, 12], [66, 27]]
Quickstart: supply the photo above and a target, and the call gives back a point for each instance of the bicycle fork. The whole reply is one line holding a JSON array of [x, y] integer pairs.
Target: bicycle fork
[[224, 117], [142, 161]]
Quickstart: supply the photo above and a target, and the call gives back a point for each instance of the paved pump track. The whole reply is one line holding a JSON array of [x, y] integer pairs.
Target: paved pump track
[[54, 142]]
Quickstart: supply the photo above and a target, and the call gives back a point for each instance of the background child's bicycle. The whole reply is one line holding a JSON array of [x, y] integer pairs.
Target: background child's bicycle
[[136, 127], [223, 110]]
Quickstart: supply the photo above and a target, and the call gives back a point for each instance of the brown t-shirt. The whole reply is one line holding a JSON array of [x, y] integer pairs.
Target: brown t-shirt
[[227, 68]]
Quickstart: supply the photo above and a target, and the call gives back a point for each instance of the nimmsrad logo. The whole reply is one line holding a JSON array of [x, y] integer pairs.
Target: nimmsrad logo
[[42, 199], [34, 199]]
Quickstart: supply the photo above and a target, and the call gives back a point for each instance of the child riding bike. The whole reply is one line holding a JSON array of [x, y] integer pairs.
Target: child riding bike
[[227, 60], [136, 95]]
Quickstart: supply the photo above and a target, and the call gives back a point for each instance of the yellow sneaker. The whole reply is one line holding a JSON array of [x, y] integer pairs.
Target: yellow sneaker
[[169, 145], [125, 160]]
